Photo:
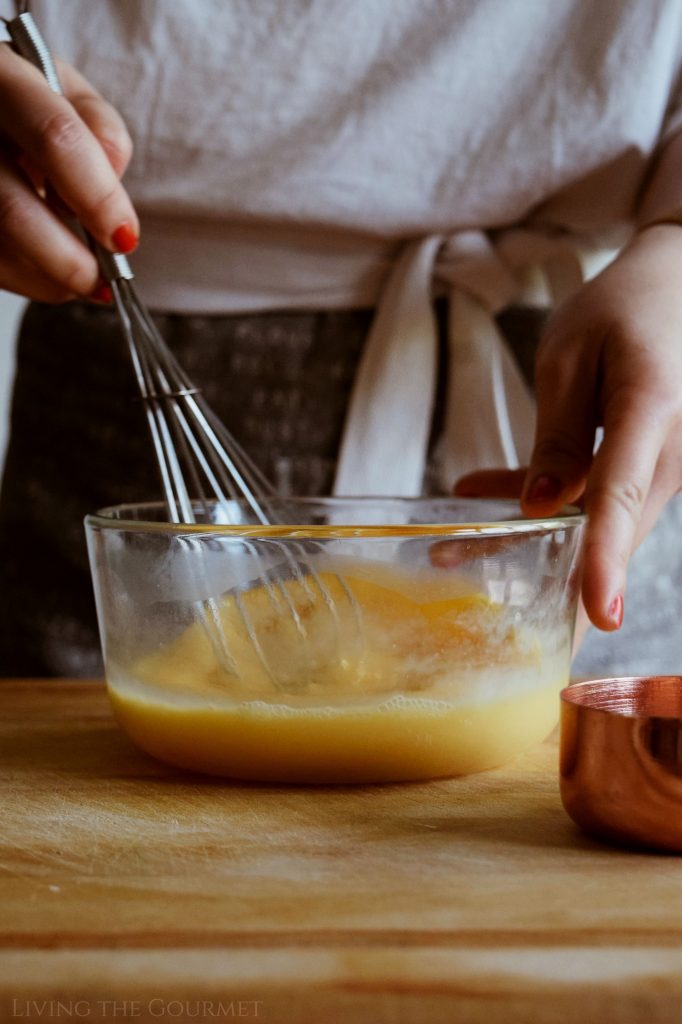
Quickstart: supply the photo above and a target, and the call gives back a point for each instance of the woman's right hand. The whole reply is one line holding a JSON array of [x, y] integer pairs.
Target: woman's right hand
[[58, 153]]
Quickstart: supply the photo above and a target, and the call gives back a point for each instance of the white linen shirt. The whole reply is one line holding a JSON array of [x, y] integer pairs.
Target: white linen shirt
[[346, 153]]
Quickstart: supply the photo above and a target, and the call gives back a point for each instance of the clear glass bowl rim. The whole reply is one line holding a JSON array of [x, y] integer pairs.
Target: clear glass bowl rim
[[570, 517]]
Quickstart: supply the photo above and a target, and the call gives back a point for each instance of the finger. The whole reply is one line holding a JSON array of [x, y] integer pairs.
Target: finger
[[615, 500], [48, 128], [491, 483], [662, 490], [103, 120], [24, 278], [565, 428], [32, 232]]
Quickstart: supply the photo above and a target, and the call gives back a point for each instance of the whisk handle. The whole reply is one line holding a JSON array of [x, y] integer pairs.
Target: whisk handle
[[113, 265], [28, 42]]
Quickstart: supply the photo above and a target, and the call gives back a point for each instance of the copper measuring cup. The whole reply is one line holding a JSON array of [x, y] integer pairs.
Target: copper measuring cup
[[621, 759]]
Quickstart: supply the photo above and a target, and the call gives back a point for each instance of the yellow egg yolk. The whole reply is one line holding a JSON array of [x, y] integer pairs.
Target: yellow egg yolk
[[363, 675]]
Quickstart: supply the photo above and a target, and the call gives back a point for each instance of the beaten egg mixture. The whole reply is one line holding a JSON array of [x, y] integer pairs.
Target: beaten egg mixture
[[359, 676]]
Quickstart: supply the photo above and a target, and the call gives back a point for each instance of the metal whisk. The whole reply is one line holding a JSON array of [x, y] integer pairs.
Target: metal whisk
[[190, 442], [202, 466], [186, 434]]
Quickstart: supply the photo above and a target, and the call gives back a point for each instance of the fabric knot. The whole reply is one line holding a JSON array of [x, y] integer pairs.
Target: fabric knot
[[489, 411], [468, 260]]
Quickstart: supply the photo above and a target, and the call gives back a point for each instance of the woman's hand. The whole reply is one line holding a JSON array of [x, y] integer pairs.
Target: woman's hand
[[611, 356], [58, 153]]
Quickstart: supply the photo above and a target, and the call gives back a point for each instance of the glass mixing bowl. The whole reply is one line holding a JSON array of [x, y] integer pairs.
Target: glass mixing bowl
[[375, 640]]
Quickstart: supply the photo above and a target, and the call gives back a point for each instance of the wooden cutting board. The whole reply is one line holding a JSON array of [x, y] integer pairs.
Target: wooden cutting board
[[129, 890]]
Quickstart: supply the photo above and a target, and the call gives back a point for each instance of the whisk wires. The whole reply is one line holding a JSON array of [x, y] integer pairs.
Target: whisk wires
[[192, 446]]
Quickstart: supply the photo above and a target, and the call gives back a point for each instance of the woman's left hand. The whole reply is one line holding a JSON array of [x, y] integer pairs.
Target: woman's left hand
[[611, 356]]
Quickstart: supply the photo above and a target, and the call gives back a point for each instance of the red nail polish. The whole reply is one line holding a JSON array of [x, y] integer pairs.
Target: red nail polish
[[543, 488], [102, 293], [615, 612], [124, 238]]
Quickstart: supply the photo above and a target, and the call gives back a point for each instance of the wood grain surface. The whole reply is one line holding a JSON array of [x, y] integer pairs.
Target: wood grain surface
[[129, 890]]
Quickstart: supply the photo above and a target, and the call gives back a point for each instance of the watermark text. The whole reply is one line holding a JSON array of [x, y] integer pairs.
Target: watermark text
[[185, 1010]]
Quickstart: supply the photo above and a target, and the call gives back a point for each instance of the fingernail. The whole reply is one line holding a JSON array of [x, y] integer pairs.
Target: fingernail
[[102, 293], [543, 488], [615, 612], [124, 238]]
